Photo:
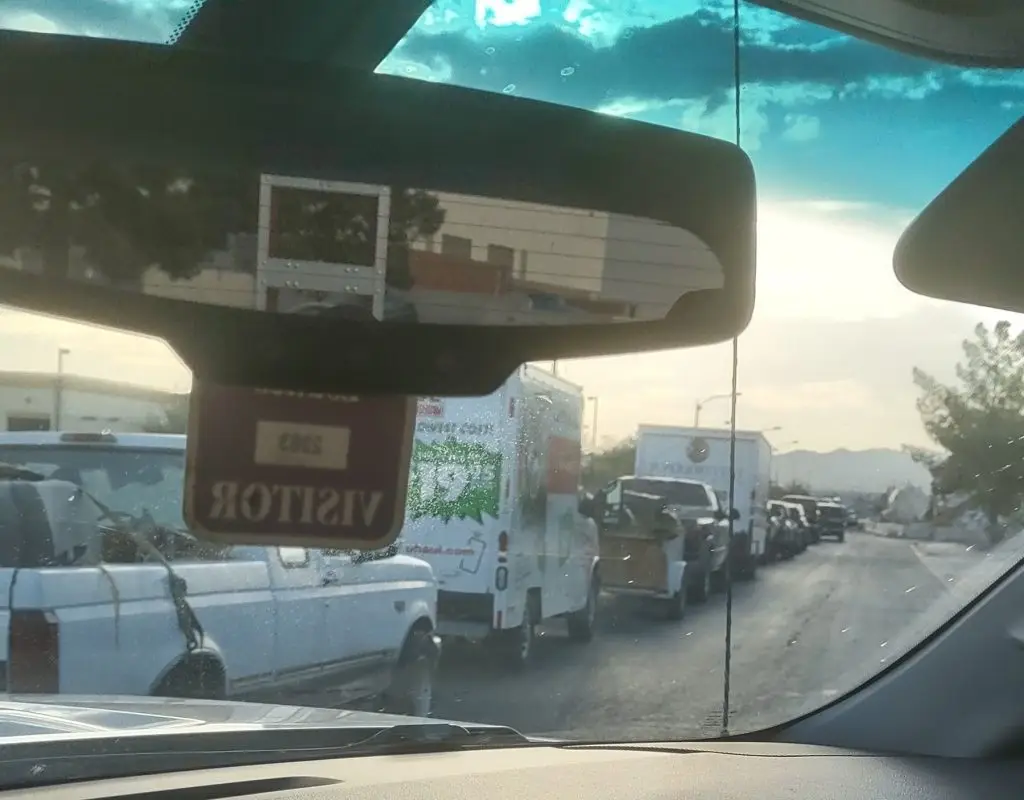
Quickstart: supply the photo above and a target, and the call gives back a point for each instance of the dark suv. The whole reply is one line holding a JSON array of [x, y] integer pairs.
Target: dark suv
[[832, 520]]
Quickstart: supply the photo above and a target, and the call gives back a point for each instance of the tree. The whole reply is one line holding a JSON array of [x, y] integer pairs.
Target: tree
[[128, 218], [607, 465], [313, 225], [174, 418], [777, 491], [979, 422]]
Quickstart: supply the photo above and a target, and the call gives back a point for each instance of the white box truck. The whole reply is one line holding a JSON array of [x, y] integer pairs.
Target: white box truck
[[493, 506], [703, 454]]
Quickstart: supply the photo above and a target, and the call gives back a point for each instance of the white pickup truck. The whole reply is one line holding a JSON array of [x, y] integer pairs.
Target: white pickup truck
[[135, 605]]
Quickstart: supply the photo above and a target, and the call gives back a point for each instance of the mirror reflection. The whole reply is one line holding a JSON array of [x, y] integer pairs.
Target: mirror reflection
[[301, 245]]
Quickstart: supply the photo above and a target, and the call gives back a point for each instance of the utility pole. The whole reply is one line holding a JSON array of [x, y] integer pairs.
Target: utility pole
[[593, 430], [699, 405]]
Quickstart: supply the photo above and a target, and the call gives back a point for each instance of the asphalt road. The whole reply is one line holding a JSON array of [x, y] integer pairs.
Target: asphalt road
[[804, 632]]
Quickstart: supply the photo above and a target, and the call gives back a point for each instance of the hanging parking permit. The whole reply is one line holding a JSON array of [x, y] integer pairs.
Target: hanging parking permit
[[297, 469]]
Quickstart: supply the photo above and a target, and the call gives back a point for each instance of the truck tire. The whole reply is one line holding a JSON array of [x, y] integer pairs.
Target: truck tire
[[196, 678], [743, 566], [516, 646], [698, 589], [583, 622], [675, 608], [411, 692]]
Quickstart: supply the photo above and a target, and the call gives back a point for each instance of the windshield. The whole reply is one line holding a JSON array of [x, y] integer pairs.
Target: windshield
[[133, 481], [845, 377], [831, 512], [676, 492]]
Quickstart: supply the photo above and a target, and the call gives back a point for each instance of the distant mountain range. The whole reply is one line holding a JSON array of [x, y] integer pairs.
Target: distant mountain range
[[849, 470]]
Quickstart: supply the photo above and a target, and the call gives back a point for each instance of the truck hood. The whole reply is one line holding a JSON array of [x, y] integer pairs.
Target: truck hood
[[23, 718]]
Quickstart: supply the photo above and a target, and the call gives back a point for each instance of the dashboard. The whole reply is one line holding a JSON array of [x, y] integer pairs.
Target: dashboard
[[649, 771]]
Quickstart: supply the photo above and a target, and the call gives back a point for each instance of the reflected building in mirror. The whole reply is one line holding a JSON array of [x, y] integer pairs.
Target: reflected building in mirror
[[299, 245], [559, 263]]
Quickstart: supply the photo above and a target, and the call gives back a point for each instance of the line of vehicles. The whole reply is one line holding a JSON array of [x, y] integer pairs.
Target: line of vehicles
[[103, 590]]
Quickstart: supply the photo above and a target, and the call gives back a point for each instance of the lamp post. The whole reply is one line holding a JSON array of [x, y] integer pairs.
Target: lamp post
[[593, 429], [58, 394], [699, 405]]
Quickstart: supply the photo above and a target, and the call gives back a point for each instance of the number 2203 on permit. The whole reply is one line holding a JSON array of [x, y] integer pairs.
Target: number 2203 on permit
[[292, 444]]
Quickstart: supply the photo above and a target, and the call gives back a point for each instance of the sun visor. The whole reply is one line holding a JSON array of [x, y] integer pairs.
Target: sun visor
[[979, 33]]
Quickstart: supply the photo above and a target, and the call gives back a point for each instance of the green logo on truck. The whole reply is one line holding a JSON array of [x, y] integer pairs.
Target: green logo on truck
[[454, 480]]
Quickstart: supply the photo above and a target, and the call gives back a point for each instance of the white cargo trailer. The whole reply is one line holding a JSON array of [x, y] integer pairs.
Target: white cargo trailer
[[493, 506], [703, 454]]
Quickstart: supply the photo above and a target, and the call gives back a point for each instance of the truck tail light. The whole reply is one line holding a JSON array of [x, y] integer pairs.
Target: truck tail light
[[33, 656]]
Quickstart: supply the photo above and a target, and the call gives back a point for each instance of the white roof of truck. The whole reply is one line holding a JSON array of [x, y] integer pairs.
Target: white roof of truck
[[135, 441], [704, 433], [548, 378], [692, 481]]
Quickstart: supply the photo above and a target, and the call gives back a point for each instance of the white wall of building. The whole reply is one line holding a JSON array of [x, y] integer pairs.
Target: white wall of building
[[650, 265], [560, 247], [87, 405], [616, 257]]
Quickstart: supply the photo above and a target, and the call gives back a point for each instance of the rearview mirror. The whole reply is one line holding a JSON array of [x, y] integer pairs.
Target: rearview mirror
[[251, 212], [734, 515]]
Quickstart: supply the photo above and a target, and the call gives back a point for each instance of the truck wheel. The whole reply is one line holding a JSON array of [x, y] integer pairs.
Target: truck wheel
[[675, 609], [583, 622], [411, 692], [516, 646], [744, 567], [194, 679], [699, 589]]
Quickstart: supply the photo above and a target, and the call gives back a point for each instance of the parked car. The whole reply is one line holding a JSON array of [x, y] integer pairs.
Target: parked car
[[798, 517], [810, 507], [784, 534]]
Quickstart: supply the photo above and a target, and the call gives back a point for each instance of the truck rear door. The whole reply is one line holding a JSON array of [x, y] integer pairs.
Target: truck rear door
[[458, 485]]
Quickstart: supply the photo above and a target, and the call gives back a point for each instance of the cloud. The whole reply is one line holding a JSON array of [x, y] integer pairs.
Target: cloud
[[830, 383], [685, 57], [130, 20], [801, 128]]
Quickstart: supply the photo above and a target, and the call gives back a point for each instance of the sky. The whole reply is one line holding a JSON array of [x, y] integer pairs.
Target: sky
[[849, 142]]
